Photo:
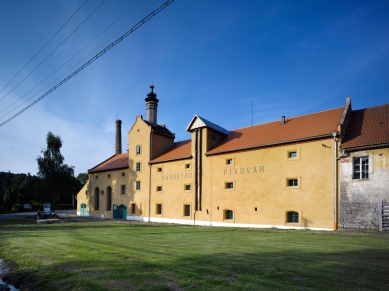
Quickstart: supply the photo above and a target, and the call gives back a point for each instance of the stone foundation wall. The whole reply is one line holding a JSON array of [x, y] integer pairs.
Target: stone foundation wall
[[358, 208], [358, 215]]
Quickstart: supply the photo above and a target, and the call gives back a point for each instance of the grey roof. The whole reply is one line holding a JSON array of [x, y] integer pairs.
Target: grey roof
[[160, 129], [210, 125]]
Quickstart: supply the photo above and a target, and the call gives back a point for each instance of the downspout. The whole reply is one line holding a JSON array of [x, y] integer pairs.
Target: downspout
[[196, 177], [149, 189], [335, 135], [199, 171], [90, 195], [151, 155]]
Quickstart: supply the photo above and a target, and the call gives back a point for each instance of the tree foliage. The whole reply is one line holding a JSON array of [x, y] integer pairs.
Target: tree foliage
[[58, 177], [83, 178]]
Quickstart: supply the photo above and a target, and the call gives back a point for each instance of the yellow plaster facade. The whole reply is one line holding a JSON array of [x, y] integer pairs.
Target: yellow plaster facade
[[284, 185]]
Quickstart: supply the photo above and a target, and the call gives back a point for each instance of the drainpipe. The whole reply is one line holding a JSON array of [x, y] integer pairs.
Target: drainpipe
[[196, 176], [151, 154], [149, 189], [335, 135]]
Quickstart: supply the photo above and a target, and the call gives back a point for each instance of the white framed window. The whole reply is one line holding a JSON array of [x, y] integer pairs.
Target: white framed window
[[138, 166], [293, 154], [138, 149], [137, 185], [361, 168], [123, 189]]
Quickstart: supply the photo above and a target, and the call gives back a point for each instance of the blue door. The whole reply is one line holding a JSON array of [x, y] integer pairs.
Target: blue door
[[122, 212], [115, 212], [83, 209]]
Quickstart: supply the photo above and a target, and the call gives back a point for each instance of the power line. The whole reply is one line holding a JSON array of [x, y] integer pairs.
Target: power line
[[54, 50], [135, 27], [71, 59], [43, 46]]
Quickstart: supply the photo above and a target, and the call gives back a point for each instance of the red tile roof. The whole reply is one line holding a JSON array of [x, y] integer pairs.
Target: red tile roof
[[367, 127], [113, 163], [308, 126], [180, 150]]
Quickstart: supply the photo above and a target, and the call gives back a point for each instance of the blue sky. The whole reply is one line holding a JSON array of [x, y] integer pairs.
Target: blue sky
[[211, 58]]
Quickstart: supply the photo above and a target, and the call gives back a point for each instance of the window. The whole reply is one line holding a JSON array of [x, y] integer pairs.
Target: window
[[187, 166], [137, 185], [109, 176], [228, 161], [361, 168], [123, 189], [159, 170], [97, 199], [228, 214], [123, 174], [159, 188], [86, 192], [158, 209], [133, 208], [292, 182], [109, 198], [292, 217], [188, 187], [186, 210], [97, 177], [229, 185], [292, 154], [138, 149], [138, 166]]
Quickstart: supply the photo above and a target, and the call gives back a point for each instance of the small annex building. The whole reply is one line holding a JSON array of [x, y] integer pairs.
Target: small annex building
[[282, 174], [364, 170]]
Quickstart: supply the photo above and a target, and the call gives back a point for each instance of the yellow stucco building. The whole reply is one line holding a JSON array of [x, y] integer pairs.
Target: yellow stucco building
[[280, 174]]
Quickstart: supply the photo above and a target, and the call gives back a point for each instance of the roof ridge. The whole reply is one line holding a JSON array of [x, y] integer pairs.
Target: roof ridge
[[287, 117], [372, 107]]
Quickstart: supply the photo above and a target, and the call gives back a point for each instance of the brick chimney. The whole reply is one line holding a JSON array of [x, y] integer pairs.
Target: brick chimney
[[118, 137], [151, 106]]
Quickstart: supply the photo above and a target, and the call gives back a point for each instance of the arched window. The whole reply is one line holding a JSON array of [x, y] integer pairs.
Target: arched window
[[293, 217], [109, 198], [97, 198], [229, 214]]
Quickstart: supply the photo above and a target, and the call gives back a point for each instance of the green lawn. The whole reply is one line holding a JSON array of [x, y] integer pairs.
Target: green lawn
[[134, 256]]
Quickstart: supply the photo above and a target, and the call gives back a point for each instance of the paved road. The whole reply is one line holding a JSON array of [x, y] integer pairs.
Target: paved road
[[12, 215]]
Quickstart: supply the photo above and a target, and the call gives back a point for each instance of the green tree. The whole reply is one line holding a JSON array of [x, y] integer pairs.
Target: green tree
[[57, 177], [83, 178]]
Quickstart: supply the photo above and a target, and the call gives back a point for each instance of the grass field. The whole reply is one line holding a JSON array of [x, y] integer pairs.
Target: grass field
[[108, 255]]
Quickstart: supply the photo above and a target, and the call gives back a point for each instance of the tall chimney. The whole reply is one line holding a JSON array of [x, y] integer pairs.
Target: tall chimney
[[282, 120], [151, 106], [118, 137]]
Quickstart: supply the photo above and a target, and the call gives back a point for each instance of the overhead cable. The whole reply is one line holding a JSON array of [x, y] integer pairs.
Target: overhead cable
[[135, 27], [54, 49], [67, 62], [43, 46]]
